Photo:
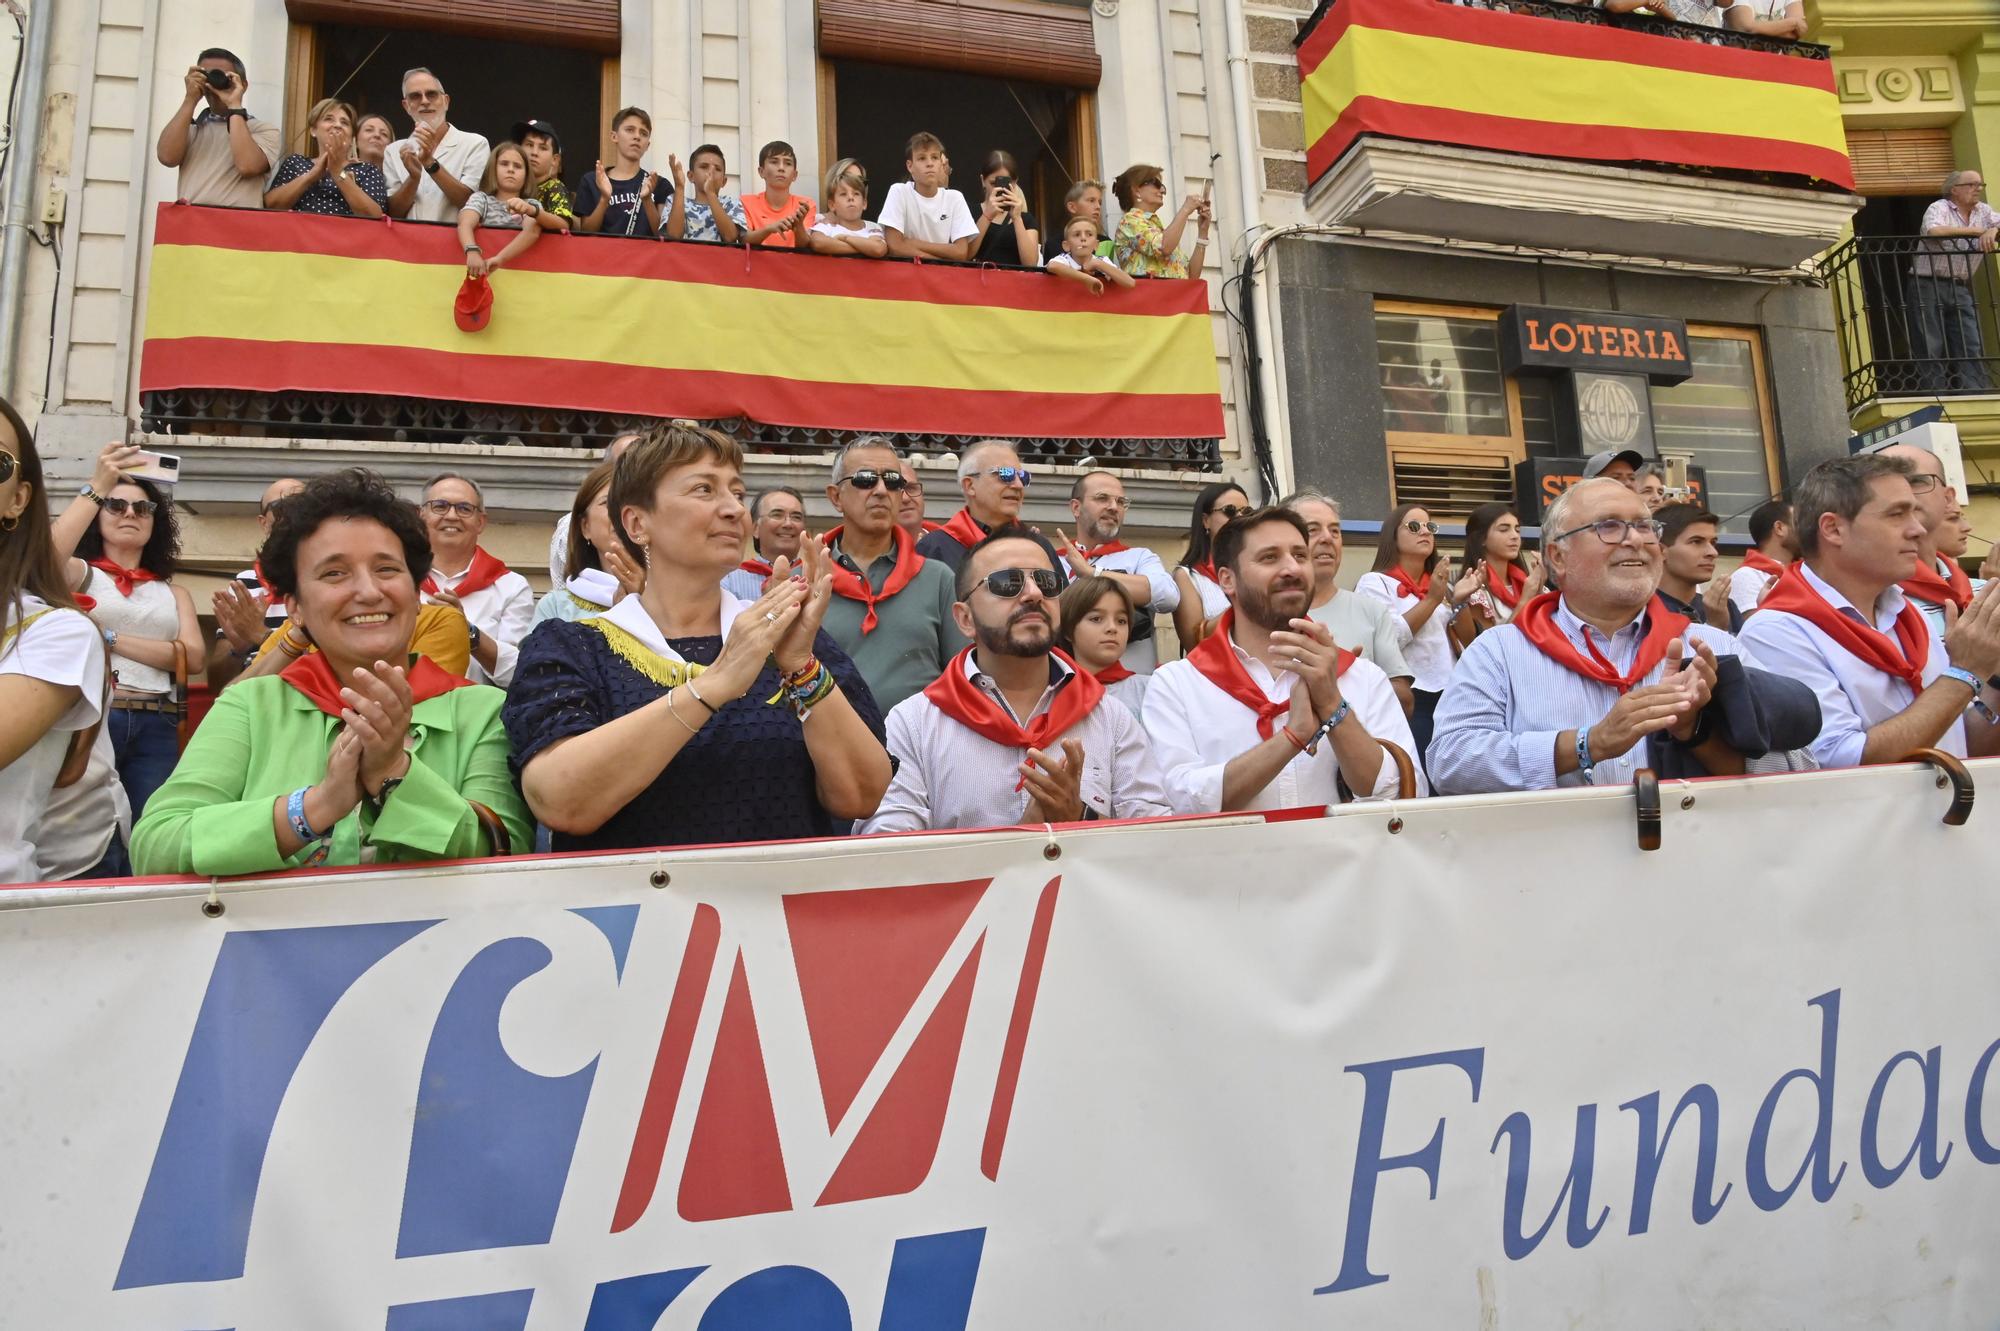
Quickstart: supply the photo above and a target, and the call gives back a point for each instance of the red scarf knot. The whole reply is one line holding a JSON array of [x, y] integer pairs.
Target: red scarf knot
[[959, 698], [965, 529], [1763, 563], [1097, 552], [124, 579], [1537, 620], [482, 573], [1408, 586], [1509, 590], [1903, 656], [855, 586], [1216, 659], [1114, 672], [1952, 588], [313, 676]]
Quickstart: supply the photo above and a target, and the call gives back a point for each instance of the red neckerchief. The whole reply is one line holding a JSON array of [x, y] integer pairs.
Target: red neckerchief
[[1216, 659], [271, 596], [1404, 583], [1762, 562], [313, 676], [854, 586], [964, 528], [482, 573], [1510, 591], [1904, 656], [1114, 672], [966, 703], [125, 579], [1932, 588], [1108, 548], [1537, 621], [755, 565]]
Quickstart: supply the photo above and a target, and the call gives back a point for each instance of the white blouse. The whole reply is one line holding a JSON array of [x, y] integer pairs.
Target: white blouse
[[149, 612], [1429, 651], [62, 647], [1214, 600]]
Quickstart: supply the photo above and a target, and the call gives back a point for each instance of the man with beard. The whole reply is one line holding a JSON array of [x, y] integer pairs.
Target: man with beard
[[1013, 732], [1097, 502], [1268, 713], [1568, 692]]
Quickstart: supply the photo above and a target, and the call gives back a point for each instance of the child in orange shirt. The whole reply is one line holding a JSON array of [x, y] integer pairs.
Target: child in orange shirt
[[775, 215]]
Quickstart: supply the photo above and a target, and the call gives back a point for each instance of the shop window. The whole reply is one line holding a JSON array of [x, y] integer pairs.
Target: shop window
[[1720, 420], [1452, 420]]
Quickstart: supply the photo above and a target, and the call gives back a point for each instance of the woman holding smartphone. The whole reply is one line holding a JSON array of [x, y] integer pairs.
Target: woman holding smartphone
[[121, 544]]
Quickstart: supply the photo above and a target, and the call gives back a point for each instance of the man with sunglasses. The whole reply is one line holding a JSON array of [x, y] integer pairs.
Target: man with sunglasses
[[1838, 621], [433, 172], [995, 485], [498, 603], [891, 610], [246, 609], [910, 504], [1268, 712], [1012, 731], [1573, 690], [1097, 502]]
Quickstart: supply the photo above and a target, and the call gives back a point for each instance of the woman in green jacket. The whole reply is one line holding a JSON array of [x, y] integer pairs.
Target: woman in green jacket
[[357, 753]]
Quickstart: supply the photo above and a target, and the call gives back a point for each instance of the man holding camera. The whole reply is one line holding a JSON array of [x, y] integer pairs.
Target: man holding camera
[[223, 152]]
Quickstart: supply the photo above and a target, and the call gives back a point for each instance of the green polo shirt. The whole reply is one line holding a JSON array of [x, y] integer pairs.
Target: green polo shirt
[[914, 633]]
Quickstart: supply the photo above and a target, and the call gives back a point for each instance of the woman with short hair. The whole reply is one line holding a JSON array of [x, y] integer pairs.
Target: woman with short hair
[[357, 752], [332, 181], [1143, 245], [685, 715]]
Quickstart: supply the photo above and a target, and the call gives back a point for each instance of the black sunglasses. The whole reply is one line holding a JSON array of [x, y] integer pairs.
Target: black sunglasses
[[1008, 583], [1413, 526], [1231, 510], [867, 479], [7, 465], [144, 508]]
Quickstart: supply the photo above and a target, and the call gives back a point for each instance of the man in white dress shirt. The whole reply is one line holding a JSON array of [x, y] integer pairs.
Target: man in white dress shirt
[[1268, 712], [433, 172], [1097, 502], [1777, 544], [1012, 732], [1838, 622], [498, 604]]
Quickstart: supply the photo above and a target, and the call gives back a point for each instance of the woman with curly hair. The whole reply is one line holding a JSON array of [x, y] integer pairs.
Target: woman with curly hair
[[357, 752], [123, 545]]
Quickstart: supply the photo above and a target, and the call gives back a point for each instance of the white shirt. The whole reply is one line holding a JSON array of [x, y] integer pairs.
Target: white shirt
[[1141, 656], [1197, 729], [950, 776], [503, 612], [940, 219], [1428, 650], [460, 152], [559, 551], [80, 819], [1956, 258], [1934, 614], [1214, 600], [62, 647], [827, 226], [1853, 695], [1746, 587], [149, 612]]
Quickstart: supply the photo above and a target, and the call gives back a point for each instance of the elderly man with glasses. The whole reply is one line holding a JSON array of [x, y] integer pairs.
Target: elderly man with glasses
[[433, 172], [498, 604], [995, 484], [1013, 731], [1587, 685], [1959, 231], [891, 609]]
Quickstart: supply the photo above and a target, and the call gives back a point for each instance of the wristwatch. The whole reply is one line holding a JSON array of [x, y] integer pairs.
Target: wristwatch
[[431, 168], [87, 493], [472, 636], [236, 111], [111, 638], [380, 799]]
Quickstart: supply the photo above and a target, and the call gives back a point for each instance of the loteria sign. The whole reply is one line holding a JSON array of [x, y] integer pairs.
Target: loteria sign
[[1537, 338]]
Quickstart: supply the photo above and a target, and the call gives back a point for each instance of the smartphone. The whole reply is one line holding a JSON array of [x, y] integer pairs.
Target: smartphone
[[162, 468], [1676, 470]]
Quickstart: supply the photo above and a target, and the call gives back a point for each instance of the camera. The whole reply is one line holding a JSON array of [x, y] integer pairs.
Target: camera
[[218, 79]]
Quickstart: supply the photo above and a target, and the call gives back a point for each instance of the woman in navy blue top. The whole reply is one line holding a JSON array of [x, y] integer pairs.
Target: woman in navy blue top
[[685, 715]]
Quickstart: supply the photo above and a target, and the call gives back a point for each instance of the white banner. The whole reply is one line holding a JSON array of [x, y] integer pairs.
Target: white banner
[[1487, 1066]]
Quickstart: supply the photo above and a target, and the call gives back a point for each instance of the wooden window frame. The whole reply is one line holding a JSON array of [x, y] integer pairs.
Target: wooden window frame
[[1767, 418], [1472, 446]]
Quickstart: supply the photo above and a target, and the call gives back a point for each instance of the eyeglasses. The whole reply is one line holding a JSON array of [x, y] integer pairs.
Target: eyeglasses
[[426, 96], [118, 508], [1612, 531], [446, 507], [1413, 526], [1231, 510], [1116, 501], [868, 479], [1008, 583], [1923, 483], [1009, 475]]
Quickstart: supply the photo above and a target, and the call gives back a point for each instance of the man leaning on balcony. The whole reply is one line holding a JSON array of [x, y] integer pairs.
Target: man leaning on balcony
[[1959, 231], [223, 152]]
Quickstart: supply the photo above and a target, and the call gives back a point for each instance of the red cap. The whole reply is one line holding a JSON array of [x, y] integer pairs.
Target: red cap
[[474, 305]]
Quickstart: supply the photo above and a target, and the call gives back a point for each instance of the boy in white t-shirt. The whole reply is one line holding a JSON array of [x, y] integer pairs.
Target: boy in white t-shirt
[[1080, 261], [843, 230], [921, 218]]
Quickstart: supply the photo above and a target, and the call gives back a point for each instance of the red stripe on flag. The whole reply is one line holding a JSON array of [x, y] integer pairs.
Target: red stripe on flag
[[1001, 1112], [1589, 41], [1604, 143], [670, 261], [276, 367]]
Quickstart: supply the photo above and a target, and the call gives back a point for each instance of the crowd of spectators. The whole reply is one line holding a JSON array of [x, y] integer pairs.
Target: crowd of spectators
[[706, 668], [442, 173]]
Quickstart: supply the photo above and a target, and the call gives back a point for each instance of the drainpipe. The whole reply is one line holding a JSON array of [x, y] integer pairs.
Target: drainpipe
[[1261, 368], [19, 213]]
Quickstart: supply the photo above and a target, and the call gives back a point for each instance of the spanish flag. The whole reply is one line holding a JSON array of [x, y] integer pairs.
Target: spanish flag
[[1438, 73], [292, 302]]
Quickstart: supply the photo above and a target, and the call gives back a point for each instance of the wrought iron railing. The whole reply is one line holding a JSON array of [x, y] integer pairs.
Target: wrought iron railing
[[1917, 317]]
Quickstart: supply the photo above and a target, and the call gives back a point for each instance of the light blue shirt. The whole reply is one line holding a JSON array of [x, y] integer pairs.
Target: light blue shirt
[[1508, 702]]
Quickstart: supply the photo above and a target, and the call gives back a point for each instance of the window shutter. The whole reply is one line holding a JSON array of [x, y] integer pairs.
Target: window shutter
[[590, 25], [1900, 161], [1015, 39], [1450, 481]]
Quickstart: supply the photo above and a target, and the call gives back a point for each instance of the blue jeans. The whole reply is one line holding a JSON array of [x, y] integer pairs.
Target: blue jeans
[[115, 864], [1945, 338], [147, 745]]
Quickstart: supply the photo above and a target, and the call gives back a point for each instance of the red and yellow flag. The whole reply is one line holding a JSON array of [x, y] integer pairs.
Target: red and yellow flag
[[276, 302], [1438, 73]]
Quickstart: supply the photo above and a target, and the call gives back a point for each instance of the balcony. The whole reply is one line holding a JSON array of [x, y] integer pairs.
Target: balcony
[[1903, 335], [1556, 127], [278, 326]]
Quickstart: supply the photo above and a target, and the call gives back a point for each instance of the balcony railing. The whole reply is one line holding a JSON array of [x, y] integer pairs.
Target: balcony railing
[[293, 325], [1916, 317]]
